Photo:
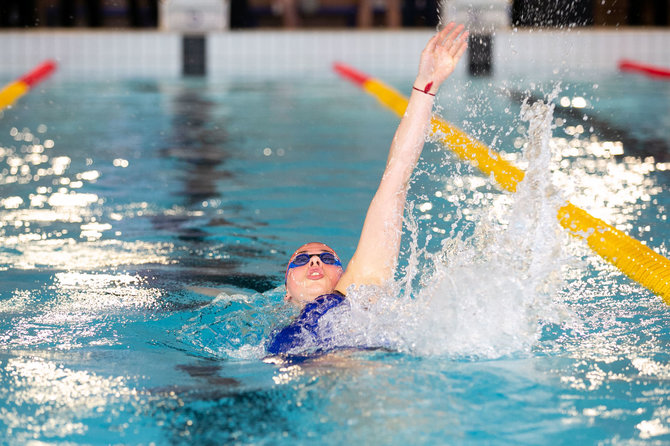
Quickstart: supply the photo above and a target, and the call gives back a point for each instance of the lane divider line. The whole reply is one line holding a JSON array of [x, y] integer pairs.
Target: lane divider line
[[649, 70], [14, 90]]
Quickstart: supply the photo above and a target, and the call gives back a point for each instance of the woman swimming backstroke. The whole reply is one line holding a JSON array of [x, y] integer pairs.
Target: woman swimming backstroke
[[315, 279]]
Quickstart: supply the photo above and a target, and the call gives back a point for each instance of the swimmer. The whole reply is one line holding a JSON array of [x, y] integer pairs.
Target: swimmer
[[315, 278]]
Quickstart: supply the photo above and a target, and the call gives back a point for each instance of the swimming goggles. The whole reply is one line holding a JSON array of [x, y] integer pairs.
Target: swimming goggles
[[327, 258]]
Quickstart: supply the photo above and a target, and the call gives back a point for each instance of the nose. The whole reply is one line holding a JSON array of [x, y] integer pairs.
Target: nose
[[314, 260]]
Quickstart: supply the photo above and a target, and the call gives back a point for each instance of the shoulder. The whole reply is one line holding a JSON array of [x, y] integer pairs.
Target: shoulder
[[305, 325]]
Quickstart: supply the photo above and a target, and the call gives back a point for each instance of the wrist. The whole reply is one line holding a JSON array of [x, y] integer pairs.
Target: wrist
[[428, 93], [427, 86]]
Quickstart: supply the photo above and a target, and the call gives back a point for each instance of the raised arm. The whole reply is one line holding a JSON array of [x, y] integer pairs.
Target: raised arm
[[376, 255]]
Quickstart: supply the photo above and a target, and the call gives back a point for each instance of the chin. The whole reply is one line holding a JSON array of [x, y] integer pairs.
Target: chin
[[308, 291], [308, 296]]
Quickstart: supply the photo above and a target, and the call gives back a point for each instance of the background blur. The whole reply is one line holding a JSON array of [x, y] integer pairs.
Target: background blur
[[329, 13]]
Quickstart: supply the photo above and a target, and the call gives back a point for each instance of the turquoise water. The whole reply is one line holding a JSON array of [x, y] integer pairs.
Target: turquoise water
[[123, 205]]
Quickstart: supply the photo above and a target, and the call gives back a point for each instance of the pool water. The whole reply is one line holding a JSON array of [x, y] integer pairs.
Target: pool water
[[145, 228]]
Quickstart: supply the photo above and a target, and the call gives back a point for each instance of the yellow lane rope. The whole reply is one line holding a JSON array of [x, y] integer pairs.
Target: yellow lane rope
[[636, 260]]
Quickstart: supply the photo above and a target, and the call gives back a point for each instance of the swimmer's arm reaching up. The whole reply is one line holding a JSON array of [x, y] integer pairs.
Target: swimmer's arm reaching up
[[376, 255]]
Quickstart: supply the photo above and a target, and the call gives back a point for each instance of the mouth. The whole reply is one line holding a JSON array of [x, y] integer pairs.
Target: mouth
[[314, 274]]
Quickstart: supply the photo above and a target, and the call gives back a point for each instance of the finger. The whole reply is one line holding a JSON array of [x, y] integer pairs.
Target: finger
[[449, 33], [445, 32], [461, 50], [449, 40], [462, 41], [432, 43]]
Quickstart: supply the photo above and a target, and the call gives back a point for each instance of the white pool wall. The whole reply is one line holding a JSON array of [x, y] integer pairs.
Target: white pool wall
[[268, 54]]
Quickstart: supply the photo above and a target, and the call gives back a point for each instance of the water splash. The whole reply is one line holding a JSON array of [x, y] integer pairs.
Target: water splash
[[486, 296]]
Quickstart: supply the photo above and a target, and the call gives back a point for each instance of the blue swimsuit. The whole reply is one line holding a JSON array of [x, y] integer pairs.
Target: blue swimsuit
[[304, 329]]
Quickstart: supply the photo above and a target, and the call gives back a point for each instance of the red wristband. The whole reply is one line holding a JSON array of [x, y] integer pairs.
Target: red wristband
[[422, 91]]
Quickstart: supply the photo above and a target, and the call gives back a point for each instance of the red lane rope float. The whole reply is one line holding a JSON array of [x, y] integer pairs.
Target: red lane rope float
[[649, 70], [14, 90], [636, 260]]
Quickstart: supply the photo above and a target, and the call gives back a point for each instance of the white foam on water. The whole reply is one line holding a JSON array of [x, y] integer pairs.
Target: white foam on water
[[484, 296]]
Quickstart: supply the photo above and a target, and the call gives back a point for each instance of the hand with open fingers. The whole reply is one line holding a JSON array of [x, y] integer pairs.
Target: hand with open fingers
[[440, 57]]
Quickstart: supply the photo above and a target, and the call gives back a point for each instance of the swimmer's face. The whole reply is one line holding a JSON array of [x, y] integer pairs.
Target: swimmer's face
[[307, 282]]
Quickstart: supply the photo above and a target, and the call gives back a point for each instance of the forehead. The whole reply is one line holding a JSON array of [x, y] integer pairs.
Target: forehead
[[313, 248]]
